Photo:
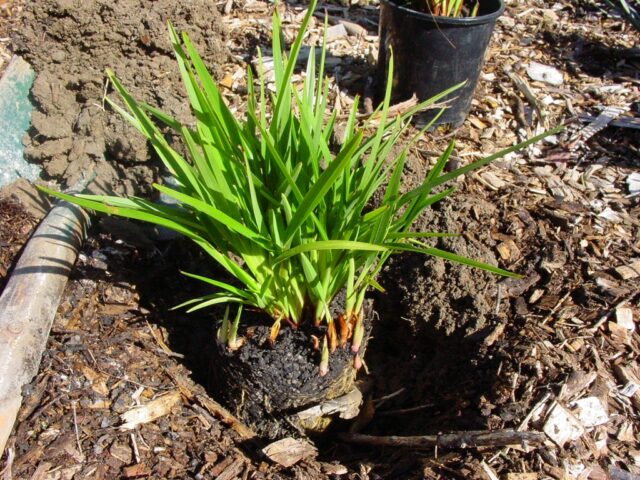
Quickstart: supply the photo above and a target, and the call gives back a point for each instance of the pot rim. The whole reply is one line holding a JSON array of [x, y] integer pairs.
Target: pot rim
[[450, 21]]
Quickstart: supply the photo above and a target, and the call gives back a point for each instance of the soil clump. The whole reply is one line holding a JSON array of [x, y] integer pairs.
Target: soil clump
[[70, 44]]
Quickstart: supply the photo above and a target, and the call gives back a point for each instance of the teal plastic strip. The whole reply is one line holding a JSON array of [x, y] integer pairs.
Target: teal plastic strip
[[15, 118]]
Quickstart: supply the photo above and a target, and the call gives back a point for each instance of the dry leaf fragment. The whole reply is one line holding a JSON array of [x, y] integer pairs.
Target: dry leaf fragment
[[627, 272], [619, 334], [624, 318], [522, 476], [227, 82], [591, 412], [489, 472], [347, 407], [113, 309], [536, 295], [633, 183], [232, 472], [494, 335], [628, 375], [625, 432], [611, 215], [289, 451], [354, 29], [150, 411], [562, 426], [98, 380], [573, 468], [334, 469], [136, 471], [99, 403], [576, 383], [545, 74], [335, 32], [66, 444], [508, 250], [476, 122], [492, 180]]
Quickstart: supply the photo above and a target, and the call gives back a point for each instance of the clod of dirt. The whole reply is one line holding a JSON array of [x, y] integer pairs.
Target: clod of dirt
[[70, 44], [451, 297]]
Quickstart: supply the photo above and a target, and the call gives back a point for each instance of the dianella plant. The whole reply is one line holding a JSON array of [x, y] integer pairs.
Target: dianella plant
[[268, 197], [453, 8], [629, 9]]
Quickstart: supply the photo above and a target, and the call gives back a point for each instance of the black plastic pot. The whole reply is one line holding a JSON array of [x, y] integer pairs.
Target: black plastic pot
[[432, 54]]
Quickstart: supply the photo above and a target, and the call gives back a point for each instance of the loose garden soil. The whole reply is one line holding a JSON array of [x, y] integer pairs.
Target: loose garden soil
[[70, 44], [454, 348]]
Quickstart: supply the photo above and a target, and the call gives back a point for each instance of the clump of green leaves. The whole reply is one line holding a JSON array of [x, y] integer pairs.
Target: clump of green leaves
[[270, 201], [453, 8], [629, 9]]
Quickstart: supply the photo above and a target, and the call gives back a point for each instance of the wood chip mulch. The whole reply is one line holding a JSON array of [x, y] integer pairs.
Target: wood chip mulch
[[562, 346]]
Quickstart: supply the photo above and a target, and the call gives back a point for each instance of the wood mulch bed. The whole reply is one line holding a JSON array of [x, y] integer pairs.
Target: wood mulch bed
[[455, 350]]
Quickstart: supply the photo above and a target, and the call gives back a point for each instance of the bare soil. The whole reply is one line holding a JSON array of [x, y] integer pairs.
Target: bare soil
[[70, 44], [454, 349], [15, 226]]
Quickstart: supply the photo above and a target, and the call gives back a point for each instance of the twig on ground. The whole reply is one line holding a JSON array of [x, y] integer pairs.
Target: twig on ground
[[531, 98], [470, 439], [525, 423], [352, 28], [161, 344], [213, 407], [627, 377], [606, 316], [134, 446], [402, 411], [217, 410], [556, 307], [75, 428], [7, 470], [381, 400]]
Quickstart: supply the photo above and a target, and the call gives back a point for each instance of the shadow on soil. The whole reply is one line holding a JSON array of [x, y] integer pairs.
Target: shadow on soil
[[581, 55]]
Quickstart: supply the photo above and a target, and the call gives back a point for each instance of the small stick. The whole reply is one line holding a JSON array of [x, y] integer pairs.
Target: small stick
[[525, 423], [75, 427], [470, 439], [6, 472], [626, 376], [134, 446], [555, 309], [524, 88], [604, 318], [226, 416], [402, 411], [352, 28], [381, 400]]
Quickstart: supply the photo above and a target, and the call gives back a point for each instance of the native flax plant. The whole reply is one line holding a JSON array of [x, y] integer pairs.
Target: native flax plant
[[451, 8], [629, 9], [268, 199]]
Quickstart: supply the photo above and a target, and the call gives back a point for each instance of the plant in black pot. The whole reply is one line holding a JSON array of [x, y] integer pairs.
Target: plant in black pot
[[291, 217], [435, 44]]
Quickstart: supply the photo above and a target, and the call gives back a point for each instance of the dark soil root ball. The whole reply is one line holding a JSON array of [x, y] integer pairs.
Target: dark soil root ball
[[266, 384]]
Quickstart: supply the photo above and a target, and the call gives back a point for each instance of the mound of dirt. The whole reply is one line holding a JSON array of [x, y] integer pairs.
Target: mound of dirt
[[449, 296], [70, 43]]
